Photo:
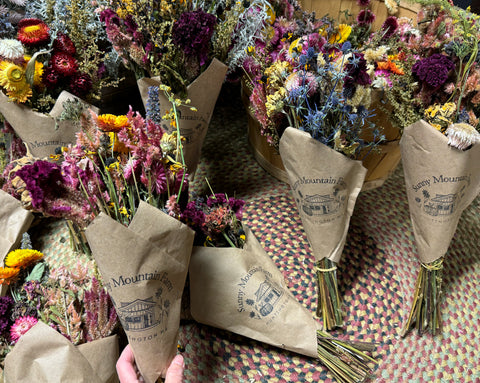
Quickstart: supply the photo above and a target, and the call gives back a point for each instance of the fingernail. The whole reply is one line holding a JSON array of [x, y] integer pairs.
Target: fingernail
[[178, 360]]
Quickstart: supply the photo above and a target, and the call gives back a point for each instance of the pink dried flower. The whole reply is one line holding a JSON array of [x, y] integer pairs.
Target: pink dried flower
[[21, 326]]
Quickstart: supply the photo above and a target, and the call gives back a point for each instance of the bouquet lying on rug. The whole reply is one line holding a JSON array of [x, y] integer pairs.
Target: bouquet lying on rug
[[114, 184], [437, 102], [47, 312], [314, 103], [234, 285]]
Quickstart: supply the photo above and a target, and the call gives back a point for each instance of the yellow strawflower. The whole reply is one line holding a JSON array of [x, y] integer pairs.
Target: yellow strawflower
[[22, 258]]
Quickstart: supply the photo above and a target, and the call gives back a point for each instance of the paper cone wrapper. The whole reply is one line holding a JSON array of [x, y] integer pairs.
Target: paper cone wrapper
[[144, 267], [38, 131], [242, 291], [441, 181], [203, 92], [325, 185], [14, 221], [43, 355]]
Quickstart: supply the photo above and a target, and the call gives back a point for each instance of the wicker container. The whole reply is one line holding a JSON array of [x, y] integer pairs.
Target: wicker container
[[380, 163]]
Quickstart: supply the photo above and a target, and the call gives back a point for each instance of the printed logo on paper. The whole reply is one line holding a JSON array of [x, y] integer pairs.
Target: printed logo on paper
[[192, 132], [260, 297], [434, 201], [143, 313], [322, 199]]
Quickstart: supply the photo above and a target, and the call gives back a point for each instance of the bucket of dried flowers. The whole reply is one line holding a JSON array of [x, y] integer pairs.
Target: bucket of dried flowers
[[235, 286], [436, 100], [265, 126]]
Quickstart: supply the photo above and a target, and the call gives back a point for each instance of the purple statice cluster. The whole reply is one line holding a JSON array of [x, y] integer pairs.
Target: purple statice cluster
[[216, 220], [433, 70], [192, 32]]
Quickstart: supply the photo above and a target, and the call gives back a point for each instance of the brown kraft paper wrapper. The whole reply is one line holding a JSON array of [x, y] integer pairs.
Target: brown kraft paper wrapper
[[242, 291], [38, 131], [14, 221], [42, 355], [203, 92], [144, 272], [325, 185], [441, 181]]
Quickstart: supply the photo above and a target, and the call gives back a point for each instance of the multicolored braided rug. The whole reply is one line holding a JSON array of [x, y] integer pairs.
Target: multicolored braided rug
[[377, 275]]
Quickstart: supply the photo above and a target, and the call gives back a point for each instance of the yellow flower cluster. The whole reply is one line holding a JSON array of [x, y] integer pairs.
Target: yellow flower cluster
[[13, 79], [274, 102], [440, 116]]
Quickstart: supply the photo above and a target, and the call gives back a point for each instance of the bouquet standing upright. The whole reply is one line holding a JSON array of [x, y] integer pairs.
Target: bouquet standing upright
[[316, 95], [436, 101]]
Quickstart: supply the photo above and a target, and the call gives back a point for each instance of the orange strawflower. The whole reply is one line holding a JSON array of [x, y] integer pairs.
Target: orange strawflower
[[112, 123], [8, 275], [390, 66]]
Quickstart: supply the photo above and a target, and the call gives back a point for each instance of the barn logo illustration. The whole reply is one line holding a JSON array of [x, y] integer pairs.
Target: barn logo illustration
[[142, 314], [259, 297], [321, 197], [440, 204]]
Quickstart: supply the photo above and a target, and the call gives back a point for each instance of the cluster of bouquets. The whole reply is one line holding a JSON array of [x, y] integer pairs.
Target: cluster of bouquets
[[441, 182], [235, 286], [56, 323], [119, 167]]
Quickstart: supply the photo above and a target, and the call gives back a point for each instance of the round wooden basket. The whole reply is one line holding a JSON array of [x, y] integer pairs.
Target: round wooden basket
[[380, 163]]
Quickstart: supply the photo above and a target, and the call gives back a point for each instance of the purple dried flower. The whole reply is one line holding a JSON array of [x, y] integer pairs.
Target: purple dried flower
[[192, 32], [356, 71], [363, 3], [433, 70], [42, 179], [6, 304], [237, 206], [389, 26], [217, 200], [365, 17]]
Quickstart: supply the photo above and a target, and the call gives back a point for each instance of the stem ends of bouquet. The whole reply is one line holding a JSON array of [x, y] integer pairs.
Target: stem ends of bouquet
[[425, 313], [329, 302], [347, 361]]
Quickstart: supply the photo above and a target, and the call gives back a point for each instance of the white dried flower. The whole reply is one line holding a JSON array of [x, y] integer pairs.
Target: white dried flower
[[11, 49], [392, 6], [462, 136]]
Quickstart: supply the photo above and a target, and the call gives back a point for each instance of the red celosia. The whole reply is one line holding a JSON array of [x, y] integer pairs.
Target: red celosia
[[33, 32]]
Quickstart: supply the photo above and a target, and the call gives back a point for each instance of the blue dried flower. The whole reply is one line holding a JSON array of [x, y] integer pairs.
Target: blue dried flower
[[153, 112]]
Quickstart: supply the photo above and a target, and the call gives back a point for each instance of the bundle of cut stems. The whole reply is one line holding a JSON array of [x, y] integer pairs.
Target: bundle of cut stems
[[425, 311], [329, 305], [347, 361]]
